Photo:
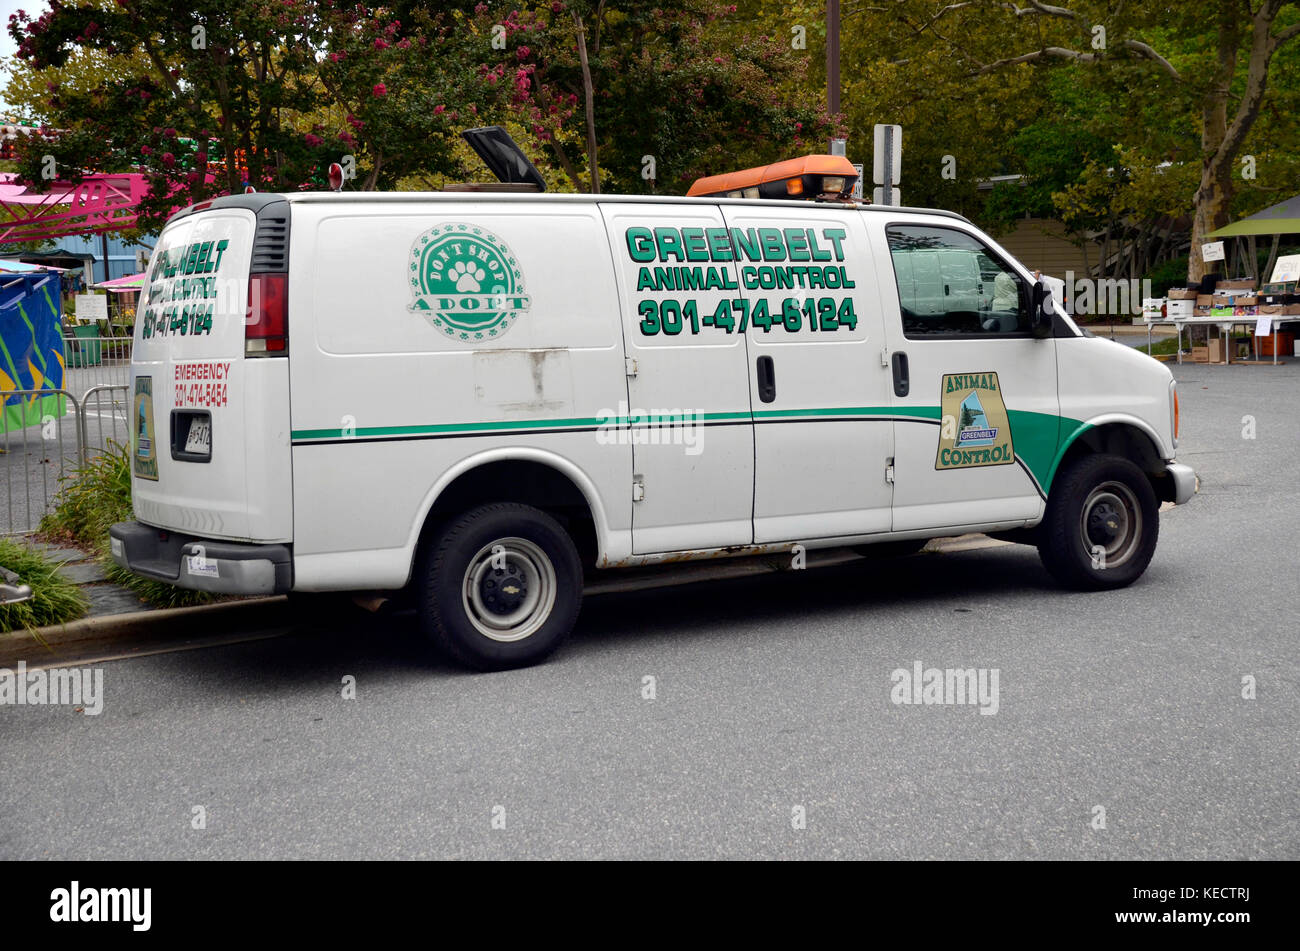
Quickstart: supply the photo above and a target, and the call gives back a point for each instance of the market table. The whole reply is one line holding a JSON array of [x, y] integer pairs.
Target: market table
[[1225, 325]]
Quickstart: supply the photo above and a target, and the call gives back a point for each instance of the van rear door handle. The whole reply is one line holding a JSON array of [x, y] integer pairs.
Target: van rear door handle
[[766, 379], [902, 383]]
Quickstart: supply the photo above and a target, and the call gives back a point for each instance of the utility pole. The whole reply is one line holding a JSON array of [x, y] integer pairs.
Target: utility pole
[[833, 59]]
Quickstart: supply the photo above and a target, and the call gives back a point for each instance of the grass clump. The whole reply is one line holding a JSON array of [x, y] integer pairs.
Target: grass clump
[[93, 497], [55, 600]]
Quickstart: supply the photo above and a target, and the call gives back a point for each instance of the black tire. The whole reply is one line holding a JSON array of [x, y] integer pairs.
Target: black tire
[[1103, 504], [883, 550], [499, 586]]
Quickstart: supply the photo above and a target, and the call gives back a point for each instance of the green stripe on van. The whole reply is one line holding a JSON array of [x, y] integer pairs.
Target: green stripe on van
[[1037, 436]]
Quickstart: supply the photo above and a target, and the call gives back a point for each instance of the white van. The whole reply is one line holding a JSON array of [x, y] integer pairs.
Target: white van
[[477, 397]]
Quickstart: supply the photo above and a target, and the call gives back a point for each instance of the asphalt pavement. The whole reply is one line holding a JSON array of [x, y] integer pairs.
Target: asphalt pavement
[[1121, 730]]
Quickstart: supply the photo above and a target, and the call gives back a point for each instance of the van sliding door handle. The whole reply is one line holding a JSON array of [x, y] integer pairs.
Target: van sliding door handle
[[902, 383], [766, 379]]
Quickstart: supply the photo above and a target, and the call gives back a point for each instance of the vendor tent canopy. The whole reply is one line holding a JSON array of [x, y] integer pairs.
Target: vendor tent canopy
[[1282, 218], [123, 285], [22, 267]]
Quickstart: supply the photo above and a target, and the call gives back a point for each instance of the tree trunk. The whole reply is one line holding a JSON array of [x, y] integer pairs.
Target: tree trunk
[[590, 94], [1267, 274], [1221, 140]]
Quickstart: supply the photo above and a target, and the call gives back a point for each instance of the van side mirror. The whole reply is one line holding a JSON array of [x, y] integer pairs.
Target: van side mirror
[[1041, 309]]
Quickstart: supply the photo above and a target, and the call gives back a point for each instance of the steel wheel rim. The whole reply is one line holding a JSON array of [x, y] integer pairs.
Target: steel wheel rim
[[497, 612], [1111, 520]]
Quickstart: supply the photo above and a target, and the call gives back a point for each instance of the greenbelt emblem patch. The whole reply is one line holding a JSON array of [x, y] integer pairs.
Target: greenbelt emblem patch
[[466, 281], [975, 430]]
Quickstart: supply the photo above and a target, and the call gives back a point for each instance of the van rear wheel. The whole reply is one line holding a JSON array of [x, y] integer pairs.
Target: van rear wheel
[[1101, 525], [500, 586]]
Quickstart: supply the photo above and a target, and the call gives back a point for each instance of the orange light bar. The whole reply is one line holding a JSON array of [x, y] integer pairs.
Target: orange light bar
[[716, 185]]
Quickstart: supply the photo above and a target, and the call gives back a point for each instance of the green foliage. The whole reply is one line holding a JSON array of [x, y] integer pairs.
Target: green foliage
[[55, 600], [1168, 346], [92, 498], [209, 95], [1172, 273]]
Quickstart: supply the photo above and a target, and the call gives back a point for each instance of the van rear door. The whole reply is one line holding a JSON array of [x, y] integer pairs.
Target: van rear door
[[210, 432]]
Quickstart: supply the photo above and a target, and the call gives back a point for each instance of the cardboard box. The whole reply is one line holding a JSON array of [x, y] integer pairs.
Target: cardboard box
[[1179, 309], [1200, 354], [1246, 300], [1221, 300], [1199, 311], [1216, 350], [1236, 284], [1204, 300], [1182, 293], [1291, 310], [1269, 310]]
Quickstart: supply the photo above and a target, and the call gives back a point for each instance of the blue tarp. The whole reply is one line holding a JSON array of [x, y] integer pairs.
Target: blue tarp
[[31, 348]]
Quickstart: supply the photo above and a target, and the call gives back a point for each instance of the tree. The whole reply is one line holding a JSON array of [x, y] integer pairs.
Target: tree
[[1217, 55], [206, 97], [653, 94]]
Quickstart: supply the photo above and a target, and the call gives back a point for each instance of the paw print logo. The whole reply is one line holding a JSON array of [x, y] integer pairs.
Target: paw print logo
[[468, 276]]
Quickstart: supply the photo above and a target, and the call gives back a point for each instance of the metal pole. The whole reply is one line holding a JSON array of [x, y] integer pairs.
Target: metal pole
[[833, 56]]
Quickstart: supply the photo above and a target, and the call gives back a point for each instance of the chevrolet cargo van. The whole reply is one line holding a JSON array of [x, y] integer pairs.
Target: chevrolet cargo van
[[476, 397]]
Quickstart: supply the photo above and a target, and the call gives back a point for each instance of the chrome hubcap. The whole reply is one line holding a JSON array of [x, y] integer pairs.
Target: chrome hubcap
[[1110, 526], [509, 589]]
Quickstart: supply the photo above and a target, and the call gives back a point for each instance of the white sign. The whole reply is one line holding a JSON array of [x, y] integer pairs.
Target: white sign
[[857, 186], [1212, 251], [92, 306], [1286, 270], [888, 158], [878, 196], [1264, 327]]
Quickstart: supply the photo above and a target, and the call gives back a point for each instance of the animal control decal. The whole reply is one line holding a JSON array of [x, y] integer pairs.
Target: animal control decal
[[144, 444], [466, 281], [975, 430]]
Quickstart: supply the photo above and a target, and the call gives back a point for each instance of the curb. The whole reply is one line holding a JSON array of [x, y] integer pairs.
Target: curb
[[137, 633], [134, 632]]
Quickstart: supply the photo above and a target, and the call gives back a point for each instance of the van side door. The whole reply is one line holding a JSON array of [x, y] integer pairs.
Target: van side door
[[974, 392], [687, 415], [822, 433]]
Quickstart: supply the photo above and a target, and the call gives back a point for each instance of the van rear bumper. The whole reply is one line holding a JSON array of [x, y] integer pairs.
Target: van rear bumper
[[202, 564]]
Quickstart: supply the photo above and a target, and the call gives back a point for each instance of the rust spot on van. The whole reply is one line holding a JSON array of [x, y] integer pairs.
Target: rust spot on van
[[681, 557]]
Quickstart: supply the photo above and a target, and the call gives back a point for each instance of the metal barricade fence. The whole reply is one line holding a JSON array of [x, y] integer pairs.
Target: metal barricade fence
[[104, 420], [92, 360], [34, 458]]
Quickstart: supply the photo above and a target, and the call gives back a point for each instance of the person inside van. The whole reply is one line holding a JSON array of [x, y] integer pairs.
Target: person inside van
[[1004, 313]]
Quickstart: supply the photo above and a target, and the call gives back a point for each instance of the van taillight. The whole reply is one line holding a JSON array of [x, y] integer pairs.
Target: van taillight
[[266, 325]]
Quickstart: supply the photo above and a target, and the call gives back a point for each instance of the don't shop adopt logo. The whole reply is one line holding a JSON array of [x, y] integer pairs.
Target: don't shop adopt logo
[[466, 281]]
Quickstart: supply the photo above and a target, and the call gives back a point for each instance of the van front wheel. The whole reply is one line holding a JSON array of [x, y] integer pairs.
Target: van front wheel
[[500, 586], [1101, 525]]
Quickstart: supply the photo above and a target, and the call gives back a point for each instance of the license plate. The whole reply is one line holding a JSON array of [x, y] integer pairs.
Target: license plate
[[199, 439]]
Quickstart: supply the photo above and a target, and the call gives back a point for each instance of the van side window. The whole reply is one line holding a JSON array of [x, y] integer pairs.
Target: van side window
[[950, 285]]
